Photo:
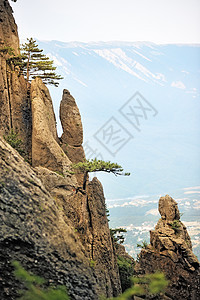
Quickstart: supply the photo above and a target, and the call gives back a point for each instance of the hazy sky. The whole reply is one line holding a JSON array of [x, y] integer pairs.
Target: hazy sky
[[159, 21]]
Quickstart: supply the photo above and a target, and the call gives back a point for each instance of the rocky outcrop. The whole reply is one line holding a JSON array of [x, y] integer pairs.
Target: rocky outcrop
[[8, 28], [46, 152], [70, 120], [102, 249], [15, 107], [48, 223], [85, 212], [170, 251], [72, 137], [53, 230], [35, 199], [34, 232]]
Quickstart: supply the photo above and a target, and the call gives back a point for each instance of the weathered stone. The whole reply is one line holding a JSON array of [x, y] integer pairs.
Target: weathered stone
[[102, 248], [72, 136], [46, 151], [71, 121], [38, 229], [53, 181], [75, 154], [48, 223], [46, 244], [15, 110], [168, 208], [8, 27], [170, 251]]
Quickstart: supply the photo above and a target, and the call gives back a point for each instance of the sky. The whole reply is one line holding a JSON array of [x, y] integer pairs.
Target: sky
[[158, 21]]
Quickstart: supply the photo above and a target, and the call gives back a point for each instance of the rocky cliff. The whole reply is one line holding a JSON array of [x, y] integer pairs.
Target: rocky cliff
[[47, 222], [170, 251], [15, 105]]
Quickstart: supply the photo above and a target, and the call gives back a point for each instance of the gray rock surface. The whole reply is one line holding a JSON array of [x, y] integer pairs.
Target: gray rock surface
[[34, 232]]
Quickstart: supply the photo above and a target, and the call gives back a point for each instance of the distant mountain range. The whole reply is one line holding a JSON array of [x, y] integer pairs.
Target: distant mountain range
[[140, 106], [164, 155]]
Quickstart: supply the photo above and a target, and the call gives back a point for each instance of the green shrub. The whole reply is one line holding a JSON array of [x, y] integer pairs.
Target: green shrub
[[176, 226], [92, 263], [116, 235], [126, 271], [14, 141], [144, 245], [33, 286]]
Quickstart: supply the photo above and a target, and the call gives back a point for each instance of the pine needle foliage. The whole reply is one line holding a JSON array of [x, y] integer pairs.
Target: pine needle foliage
[[14, 141], [95, 165], [144, 245], [117, 235], [36, 64], [34, 286]]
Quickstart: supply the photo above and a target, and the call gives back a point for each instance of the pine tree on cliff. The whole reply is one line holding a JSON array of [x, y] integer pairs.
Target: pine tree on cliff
[[95, 165], [36, 64]]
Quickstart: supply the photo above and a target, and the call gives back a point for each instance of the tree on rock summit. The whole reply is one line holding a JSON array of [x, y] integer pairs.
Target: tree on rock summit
[[35, 64]]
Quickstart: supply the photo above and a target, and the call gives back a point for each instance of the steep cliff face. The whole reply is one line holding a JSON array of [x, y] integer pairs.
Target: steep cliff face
[[34, 231], [48, 223], [170, 251], [15, 107], [33, 201]]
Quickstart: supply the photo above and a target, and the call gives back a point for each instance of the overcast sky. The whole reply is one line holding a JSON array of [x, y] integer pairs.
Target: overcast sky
[[159, 21]]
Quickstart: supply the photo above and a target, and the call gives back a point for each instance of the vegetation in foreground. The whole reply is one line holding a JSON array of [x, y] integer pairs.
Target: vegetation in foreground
[[35, 286], [35, 290]]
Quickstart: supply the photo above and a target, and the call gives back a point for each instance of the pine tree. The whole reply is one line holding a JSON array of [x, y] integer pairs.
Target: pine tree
[[95, 165], [36, 64]]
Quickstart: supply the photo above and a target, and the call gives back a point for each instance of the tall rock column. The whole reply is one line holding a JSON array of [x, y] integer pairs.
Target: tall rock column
[[46, 151], [170, 251], [102, 250], [15, 112], [72, 137]]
